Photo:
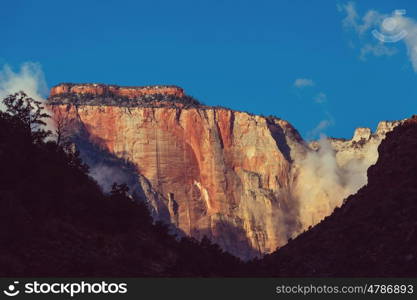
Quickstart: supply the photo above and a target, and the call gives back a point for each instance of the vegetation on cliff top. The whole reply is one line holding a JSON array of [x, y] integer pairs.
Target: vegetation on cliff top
[[153, 100], [71, 84]]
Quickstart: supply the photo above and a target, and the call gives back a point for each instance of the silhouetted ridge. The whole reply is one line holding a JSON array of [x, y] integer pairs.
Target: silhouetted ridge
[[374, 233], [56, 221]]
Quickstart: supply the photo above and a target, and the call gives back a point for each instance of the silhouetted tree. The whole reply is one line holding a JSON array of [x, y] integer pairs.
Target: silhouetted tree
[[119, 189], [63, 123], [56, 221], [28, 111]]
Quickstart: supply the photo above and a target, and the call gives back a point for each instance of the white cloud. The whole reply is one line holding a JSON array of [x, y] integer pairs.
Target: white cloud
[[303, 82], [352, 19], [320, 98], [410, 27], [320, 127], [374, 20], [370, 19], [29, 79], [376, 50]]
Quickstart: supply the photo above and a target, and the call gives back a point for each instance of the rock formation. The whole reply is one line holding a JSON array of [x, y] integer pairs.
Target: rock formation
[[335, 169], [247, 182], [114, 90], [374, 233]]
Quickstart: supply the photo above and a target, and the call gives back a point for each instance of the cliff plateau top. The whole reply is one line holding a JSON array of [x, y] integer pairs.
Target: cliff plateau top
[[104, 94]]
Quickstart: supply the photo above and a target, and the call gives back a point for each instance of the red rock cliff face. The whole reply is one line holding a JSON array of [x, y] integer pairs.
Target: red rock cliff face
[[218, 172], [247, 182]]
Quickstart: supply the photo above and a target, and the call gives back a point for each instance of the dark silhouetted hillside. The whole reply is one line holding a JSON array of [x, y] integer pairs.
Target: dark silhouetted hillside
[[56, 221], [373, 234]]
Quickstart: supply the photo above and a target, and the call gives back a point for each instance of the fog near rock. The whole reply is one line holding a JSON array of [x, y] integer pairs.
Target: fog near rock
[[326, 177], [106, 175], [30, 79]]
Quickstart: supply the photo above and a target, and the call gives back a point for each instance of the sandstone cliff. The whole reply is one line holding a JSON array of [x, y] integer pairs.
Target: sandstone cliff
[[114, 90], [374, 233], [247, 182], [335, 169]]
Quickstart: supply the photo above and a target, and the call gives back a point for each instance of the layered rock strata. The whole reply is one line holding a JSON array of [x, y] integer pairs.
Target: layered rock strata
[[239, 179]]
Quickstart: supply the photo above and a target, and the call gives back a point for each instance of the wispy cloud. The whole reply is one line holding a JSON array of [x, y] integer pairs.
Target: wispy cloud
[[410, 26], [320, 127], [376, 50], [303, 82], [320, 98], [373, 19], [353, 21], [29, 79]]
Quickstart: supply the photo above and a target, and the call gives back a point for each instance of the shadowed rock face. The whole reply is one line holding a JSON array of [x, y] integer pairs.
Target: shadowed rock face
[[229, 175]]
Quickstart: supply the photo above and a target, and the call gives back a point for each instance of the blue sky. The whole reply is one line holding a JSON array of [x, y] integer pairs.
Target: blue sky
[[245, 55]]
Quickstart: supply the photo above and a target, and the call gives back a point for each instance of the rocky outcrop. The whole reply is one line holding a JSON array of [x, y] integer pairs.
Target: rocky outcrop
[[114, 90], [335, 169], [242, 180], [374, 233], [111, 95], [363, 147]]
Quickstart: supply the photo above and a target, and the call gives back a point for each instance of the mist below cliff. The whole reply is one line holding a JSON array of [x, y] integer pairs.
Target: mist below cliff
[[254, 193], [324, 181], [247, 182]]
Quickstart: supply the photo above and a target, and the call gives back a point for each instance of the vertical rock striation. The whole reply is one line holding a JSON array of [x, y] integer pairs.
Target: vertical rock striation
[[237, 178]]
